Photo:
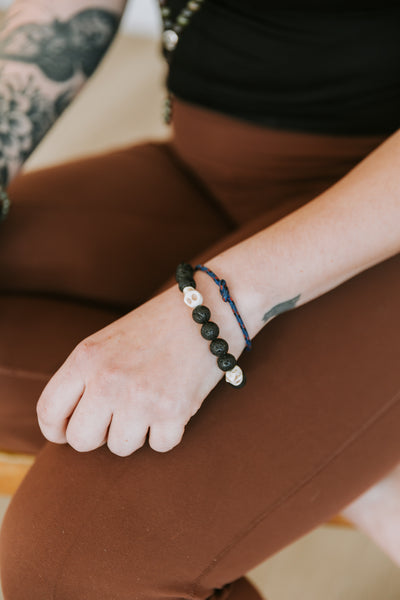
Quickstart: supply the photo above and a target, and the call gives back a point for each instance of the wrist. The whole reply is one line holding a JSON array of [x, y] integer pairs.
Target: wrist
[[214, 324], [253, 301]]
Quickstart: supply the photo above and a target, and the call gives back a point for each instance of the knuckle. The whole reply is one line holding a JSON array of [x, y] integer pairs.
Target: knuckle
[[52, 436], [125, 445], [119, 449], [169, 408], [43, 414], [77, 441], [84, 350], [160, 445], [165, 438], [44, 404], [46, 415], [108, 377]]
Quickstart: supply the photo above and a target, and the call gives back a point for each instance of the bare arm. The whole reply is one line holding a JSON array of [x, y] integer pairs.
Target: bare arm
[[150, 370], [48, 50], [350, 227]]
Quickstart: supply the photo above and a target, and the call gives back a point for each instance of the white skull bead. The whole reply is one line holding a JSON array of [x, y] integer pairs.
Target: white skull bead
[[192, 297], [235, 376]]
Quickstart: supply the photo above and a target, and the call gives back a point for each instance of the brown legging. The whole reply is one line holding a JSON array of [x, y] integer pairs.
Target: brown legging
[[316, 425]]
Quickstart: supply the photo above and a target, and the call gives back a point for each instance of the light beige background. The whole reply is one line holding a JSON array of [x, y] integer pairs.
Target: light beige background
[[122, 104]]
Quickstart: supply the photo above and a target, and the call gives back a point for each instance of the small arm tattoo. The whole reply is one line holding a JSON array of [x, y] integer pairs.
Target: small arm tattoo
[[280, 308], [62, 48]]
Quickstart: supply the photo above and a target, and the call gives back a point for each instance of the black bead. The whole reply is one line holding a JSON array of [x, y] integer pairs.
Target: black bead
[[219, 347], [185, 282], [226, 362], [209, 330], [184, 270], [201, 314]]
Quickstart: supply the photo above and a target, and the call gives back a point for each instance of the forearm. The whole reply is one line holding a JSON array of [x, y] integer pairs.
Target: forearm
[[352, 226], [47, 53]]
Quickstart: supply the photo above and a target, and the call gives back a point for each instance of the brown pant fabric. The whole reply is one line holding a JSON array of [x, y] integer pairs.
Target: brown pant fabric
[[316, 424]]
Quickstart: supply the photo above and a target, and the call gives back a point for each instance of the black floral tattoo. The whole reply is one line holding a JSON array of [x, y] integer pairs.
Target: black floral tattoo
[[25, 116], [280, 308], [61, 50]]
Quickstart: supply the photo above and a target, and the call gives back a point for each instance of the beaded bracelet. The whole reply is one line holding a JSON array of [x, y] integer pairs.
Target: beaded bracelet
[[226, 297], [201, 314]]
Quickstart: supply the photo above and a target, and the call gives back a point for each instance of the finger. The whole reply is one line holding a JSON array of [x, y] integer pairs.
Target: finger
[[126, 434], [165, 435], [57, 402], [87, 428]]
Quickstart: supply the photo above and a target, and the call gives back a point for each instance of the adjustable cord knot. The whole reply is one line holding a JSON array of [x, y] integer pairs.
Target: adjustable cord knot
[[224, 291]]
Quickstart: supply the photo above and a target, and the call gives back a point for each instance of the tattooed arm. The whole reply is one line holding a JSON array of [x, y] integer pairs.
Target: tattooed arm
[[48, 50]]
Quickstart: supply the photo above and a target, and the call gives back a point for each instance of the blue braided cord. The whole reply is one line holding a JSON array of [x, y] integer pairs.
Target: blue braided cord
[[224, 291]]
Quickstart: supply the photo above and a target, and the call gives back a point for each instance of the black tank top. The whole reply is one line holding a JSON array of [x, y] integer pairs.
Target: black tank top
[[326, 66]]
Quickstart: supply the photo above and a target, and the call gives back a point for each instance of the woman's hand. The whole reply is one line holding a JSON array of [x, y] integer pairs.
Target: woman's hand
[[149, 369]]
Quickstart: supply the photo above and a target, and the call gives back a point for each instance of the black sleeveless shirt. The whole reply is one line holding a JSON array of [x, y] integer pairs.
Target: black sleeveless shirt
[[327, 66]]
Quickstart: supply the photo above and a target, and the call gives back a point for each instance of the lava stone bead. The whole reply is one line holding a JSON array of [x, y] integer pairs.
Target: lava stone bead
[[219, 347], [210, 331], [184, 271], [226, 362], [201, 314], [182, 283]]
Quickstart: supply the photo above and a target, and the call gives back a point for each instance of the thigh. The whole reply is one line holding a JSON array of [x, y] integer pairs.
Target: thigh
[[316, 424], [84, 241], [37, 334], [108, 228]]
